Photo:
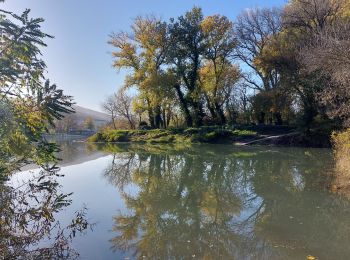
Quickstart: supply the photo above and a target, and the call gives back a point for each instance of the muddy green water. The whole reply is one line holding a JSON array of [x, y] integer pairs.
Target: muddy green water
[[205, 202]]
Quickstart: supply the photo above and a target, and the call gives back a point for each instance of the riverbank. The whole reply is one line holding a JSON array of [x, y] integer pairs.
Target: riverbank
[[250, 135]]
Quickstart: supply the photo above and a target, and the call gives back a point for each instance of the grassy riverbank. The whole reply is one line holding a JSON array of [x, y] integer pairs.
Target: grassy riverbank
[[241, 135], [189, 135]]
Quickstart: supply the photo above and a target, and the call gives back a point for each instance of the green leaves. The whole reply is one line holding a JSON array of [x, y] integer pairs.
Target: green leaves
[[30, 100]]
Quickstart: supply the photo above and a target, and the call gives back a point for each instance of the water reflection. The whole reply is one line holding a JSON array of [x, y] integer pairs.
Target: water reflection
[[216, 202], [28, 210]]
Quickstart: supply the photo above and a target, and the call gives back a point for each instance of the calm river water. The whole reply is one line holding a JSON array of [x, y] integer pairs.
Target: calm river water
[[204, 202]]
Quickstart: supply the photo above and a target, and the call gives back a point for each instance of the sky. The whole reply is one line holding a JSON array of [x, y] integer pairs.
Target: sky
[[79, 58]]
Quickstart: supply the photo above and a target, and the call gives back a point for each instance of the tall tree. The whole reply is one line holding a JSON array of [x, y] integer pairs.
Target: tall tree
[[144, 52], [109, 107], [123, 107], [327, 55], [254, 28], [89, 123], [187, 46], [303, 20], [218, 75]]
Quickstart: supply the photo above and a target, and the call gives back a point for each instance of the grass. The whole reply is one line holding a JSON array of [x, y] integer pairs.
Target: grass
[[175, 135]]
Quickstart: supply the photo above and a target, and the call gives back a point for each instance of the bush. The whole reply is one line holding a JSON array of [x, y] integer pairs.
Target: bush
[[206, 134], [115, 136], [192, 131], [95, 138], [163, 139]]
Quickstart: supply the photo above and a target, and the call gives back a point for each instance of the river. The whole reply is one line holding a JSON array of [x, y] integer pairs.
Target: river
[[203, 202]]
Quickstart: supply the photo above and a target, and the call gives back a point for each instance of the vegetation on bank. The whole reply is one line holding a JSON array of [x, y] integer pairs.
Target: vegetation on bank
[[268, 66], [240, 135], [341, 147], [189, 135]]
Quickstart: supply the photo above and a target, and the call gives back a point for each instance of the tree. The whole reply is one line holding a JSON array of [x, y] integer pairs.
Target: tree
[[31, 99], [144, 53], [89, 123], [327, 55], [312, 15], [109, 107], [260, 38], [254, 28], [165, 62], [123, 107], [218, 75], [66, 124], [301, 21], [304, 21], [28, 105], [187, 47]]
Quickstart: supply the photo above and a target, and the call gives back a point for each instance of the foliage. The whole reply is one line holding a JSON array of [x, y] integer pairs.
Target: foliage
[[203, 134], [120, 105], [29, 104], [179, 67], [89, 123], [67, 124], [30, 101]]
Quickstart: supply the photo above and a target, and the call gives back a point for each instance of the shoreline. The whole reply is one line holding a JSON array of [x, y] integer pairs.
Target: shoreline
[[239, 137]]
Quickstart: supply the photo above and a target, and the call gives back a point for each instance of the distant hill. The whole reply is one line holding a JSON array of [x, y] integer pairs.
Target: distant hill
[[82, 113], [74, 123]]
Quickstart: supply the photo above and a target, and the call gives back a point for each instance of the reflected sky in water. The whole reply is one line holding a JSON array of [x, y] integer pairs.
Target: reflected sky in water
[[205, 202]]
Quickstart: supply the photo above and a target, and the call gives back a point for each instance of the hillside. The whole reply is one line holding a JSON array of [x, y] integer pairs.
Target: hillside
[[82, 113], [75, 122]]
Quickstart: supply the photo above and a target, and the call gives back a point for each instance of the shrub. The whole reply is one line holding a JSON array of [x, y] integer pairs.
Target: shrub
[[115, 136], [95, 138], [192, 131], [164, 139]]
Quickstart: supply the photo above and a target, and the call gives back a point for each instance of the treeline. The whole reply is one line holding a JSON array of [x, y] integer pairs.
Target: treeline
[[269, 66]]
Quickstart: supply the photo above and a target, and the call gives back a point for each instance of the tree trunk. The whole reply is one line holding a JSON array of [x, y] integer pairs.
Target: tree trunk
[[164, 119], [198, 113], [157, 117], [210, 108], [113, 121], [168, 117], [220, 113], [184, 106], [150, 114]]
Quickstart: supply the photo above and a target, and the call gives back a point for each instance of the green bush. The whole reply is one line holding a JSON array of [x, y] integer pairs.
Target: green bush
[[205, 134], [115, 136], [191, 131], [164, 139], [95, 138]]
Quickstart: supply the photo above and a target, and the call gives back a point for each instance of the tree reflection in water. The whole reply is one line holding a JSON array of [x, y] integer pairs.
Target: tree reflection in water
[[28, 228], [216, 202]]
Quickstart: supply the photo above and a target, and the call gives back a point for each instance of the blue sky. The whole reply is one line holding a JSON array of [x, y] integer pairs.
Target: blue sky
[[79, 58]]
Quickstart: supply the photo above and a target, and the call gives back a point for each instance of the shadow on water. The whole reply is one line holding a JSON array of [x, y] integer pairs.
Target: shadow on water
[[220, 202]]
